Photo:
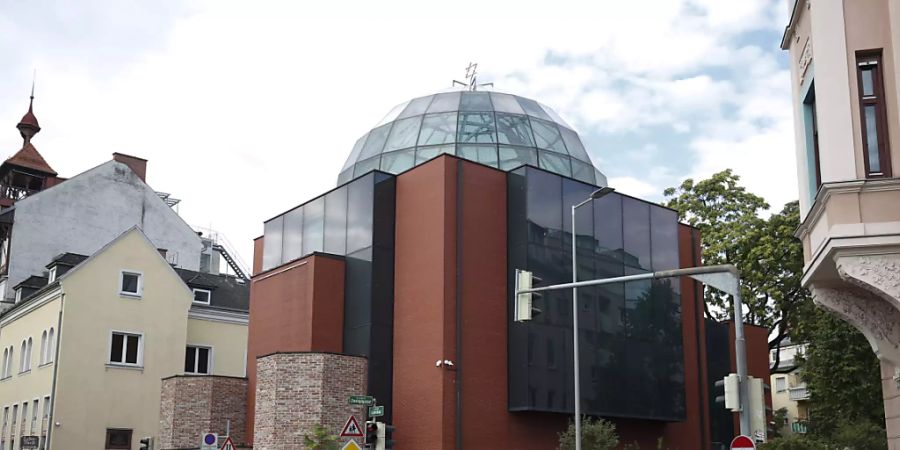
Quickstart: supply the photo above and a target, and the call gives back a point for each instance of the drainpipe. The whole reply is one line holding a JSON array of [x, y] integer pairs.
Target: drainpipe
[[50, 422]]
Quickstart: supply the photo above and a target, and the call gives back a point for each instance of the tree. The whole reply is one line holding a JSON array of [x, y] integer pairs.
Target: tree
[[766, 252], [596, 434], [320, 439]]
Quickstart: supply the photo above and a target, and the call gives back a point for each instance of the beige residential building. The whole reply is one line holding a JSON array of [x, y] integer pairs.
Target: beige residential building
[[100, 335], [789, 391], [844, 56]]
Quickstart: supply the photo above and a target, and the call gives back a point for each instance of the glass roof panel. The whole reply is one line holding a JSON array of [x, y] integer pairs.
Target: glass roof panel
[[375, 142], [396, 162], [447, 101], [476, 128], [403, 134], [555, 163], [345, 176], [546, 135], [416, 107], [475, 101], [366, 166], [532, 108], [582, 171], [506, 103], [355, 153], [392, 115], [484, 154], [514, 130], [438, 129], [426, 153], [553, 115], [512, 157], [574, 145]]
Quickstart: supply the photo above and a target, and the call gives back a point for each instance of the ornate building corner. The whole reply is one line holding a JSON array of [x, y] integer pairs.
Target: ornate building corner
[[875, 318], [878, 274]]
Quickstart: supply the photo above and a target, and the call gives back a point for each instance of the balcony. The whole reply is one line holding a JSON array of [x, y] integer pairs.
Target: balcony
[[799, 393]]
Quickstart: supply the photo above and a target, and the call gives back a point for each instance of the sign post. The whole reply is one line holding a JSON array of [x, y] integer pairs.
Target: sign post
[[376, 411], [364, 400], [228, 445], [351, 428], [209, 441], [742, 443]]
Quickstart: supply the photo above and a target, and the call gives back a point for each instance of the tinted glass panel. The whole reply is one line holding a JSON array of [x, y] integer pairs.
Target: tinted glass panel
[[357, 148], [399, 161], [582, 172], [115, 353], [189, 357], [608, 227], [532, 108], [336, 221], [292, 239], [314, 226], [475, 101], [511, 157], [202, 360], [392, 115], [416, 107], [637, 234], [546, 136], [573, 144], [129, 282], [506, 103], [872, 138], [366, 166], [131, 349], [448, 101], [867, 82], [345, 176], [555, 163], [664, 238], [476, 128], [484, 154], [544, 208], [438, 129], [375, 142], [514, 130], [425, 153], [272, 242], [403, 134], [359, 214], [553, 115]]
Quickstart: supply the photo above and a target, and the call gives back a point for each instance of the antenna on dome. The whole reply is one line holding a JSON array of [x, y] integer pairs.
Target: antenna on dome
[[33, 77], [472, 78]]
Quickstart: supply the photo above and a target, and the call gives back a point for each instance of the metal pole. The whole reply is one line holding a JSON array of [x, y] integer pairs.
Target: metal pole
[[740, 352], [575, 354]]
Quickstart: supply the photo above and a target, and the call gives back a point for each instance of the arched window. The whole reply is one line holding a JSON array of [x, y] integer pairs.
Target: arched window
[[5, 363], [44, 347], [51, 346], [28, 353], [22, 356]]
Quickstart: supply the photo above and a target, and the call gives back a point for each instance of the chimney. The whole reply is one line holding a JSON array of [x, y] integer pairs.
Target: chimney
[[137, 165]]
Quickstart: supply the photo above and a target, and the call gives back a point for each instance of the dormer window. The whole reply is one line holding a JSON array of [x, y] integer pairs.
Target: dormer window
[[202, 296], [18, 295], [52, 274], [130, 283]]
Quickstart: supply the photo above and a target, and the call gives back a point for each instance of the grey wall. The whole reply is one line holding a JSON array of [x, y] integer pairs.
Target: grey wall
[[84, 213]]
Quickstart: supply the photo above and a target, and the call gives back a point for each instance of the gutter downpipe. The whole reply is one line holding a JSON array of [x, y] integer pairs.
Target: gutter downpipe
[[50, 422]]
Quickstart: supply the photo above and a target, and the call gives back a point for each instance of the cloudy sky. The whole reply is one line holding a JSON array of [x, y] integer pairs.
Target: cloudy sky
[[245, 109]]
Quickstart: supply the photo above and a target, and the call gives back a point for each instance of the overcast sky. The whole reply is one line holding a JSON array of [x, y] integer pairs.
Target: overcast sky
[[245, 109]]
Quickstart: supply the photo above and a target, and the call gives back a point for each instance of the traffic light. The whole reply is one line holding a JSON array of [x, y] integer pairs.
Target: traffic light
[[757, 409], [384, 436], [525, 309], [146, 443], [731, 394], [371, 434]]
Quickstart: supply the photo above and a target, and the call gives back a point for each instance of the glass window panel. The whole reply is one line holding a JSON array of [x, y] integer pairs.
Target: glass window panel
[[555, 163], [404, 134], [368, 165], [345, 176], [484, 154], [553, 115], [130, 283], [868, 82], [512, 157], [314, 226], [583, 172], [636, 232], [448, 101], [131, 349], [292, 236], [506, 103], [532, 108], [872, 139], [355, 153], [336, 221], [438, 129], [115, 353], [514, 130], [359, 213], [272, 242], [392, 115], [476, 128], [544, 206], [396, 162], [475, 101], [202, 360], [375, 142], [425, 153], [416, 107], [574, 144], [546, 136], [664, 238], [189, 356]]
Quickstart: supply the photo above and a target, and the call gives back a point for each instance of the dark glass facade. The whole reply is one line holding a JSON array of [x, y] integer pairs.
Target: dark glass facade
[[632, 362], [718, 366]]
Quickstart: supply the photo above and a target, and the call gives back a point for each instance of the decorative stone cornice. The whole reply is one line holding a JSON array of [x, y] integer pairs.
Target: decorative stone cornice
[[827, 190], [875, 318], [877, 274]]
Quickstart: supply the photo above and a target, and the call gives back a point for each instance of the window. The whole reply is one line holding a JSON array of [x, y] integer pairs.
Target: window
[[873, 118], [197, 359], [44, 347], [34, 414], [5, 362], [52, 276], [24, 414], [780, 384], [25, 356], [15, 414], [202, 296], [5, 422], [47, 407], [18, 295], [125, 349], [51, 346], [118, 438], [130, 284]]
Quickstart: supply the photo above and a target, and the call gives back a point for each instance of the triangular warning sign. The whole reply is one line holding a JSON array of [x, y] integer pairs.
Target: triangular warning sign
[[228, 445], [352, 429]]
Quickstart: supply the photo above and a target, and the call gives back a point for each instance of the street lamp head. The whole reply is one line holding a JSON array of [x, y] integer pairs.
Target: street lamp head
[[601, 192]]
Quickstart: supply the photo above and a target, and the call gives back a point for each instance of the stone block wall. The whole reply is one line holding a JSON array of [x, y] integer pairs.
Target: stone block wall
[[296, 391], [191, 405]]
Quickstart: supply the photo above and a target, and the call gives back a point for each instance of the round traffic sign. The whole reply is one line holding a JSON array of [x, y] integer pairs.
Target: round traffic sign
[[742, 443], [209, 439]]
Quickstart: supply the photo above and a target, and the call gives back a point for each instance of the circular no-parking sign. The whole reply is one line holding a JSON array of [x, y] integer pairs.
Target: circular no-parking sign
[[742, 443]]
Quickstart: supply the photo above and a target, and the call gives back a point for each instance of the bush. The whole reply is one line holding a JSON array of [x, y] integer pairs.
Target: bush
[[847, 436], [320, 439], [596, 434]]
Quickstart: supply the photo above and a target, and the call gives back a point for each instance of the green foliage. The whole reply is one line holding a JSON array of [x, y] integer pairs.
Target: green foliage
[[793, 442], [847, 436], [596, 434], [321, 439], [779, 421]]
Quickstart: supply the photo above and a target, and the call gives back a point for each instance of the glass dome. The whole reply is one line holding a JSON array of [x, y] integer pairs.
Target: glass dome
[[491, 128]]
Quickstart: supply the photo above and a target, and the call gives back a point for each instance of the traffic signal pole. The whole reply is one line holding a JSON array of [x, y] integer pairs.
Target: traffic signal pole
[[724, 277]]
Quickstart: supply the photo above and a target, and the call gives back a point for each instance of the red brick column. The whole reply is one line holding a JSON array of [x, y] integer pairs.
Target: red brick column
[[296, 391], [191, 405]]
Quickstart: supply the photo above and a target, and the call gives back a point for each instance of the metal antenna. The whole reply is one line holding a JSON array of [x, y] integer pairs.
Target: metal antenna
[[472, 77], [33, 77]]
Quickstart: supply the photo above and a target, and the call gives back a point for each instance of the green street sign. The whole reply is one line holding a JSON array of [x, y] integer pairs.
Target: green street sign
[[376, 411], [364, 400]]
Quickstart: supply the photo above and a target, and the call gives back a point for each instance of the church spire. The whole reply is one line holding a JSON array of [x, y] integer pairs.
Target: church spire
[[28, 126]]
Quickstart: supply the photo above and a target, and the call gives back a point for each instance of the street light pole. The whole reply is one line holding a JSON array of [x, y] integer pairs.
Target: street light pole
[[575, 355]]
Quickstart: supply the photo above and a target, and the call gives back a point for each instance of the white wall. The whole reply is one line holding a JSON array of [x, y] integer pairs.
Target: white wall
[[89, 210]]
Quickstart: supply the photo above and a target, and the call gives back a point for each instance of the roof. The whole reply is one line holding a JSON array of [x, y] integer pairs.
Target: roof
[[67, 259], [29, 158], [228, 292], [34, 282], [29, 119]]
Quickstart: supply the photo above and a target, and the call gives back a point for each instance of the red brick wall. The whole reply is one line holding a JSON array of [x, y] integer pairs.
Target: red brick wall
[[191, 405]]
